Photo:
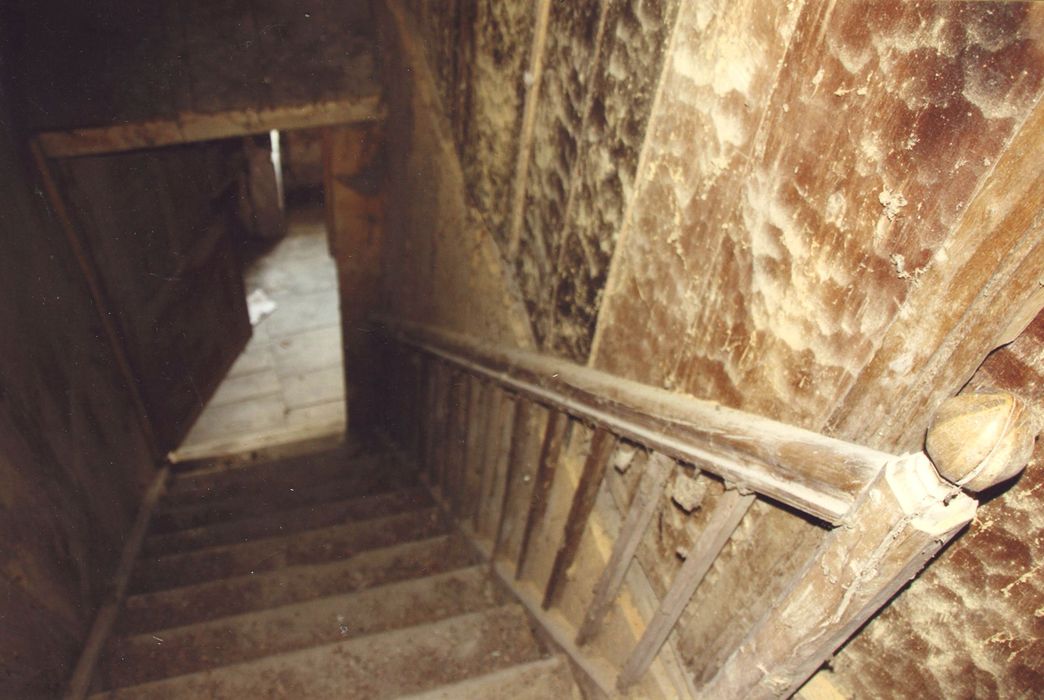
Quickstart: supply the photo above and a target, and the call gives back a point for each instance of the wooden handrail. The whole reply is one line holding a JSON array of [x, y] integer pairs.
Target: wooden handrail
[[816, 474], [897, 511]]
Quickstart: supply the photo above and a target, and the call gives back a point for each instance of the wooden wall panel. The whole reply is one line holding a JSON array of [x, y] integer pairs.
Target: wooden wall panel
[[73, 458], [570, 54], [440, 264], [623, 85], [873, 136], [976, 613], [492, 119], [157, 226]]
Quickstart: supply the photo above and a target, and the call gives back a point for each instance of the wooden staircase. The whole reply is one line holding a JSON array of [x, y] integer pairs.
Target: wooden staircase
[[331, 576]]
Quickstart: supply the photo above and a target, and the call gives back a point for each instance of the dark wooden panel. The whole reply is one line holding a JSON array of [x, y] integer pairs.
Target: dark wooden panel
[[73, 457], [570, 52], [156, 228], [619, 102]]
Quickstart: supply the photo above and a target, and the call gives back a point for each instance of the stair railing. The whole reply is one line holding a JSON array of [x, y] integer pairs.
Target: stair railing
[[463, 408]]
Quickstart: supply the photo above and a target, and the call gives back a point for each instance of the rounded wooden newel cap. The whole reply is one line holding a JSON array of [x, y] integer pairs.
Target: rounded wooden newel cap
[[978, 440]]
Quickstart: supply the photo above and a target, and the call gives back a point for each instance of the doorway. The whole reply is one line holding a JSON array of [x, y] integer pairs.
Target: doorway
[[287, 386]]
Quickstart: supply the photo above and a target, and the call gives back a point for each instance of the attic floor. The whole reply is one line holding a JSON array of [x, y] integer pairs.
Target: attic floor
[[288, 384]]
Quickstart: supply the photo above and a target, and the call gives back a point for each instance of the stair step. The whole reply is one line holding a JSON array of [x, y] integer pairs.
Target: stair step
[[383, 665], [230, 640], [244, 505], [215, 483], [287, 522], [310, 547], [233, 596], [546, 679]]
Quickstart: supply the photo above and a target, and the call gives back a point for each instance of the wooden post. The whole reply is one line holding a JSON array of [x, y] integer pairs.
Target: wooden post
[[550, 452], [903, 519], [518, 437], [602, 445], [641, 511], [725, 517]]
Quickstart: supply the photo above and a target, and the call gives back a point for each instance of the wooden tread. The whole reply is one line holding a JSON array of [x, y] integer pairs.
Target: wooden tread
[[196, 647], [231, 596], [310, 547], [286, 522], [384, 665]]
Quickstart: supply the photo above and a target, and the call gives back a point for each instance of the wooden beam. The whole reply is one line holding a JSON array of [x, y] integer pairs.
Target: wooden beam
[[813, 473], [724, 518], [906, 516], [105, 620], [602, 445], [190, 127], [550, 453], [643, 507]]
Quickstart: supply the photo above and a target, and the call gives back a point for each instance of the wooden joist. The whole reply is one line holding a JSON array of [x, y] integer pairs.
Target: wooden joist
[[191, 127], [816, 474]]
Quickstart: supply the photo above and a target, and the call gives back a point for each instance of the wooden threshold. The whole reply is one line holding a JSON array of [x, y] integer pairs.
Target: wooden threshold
[[191, 127]]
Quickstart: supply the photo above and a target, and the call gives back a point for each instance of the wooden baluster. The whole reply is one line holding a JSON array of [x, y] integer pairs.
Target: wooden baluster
[[462, 433], [444, 420], [518, 438], [641, 511], [550, 452], [478, 421], [501, 453], [425, 417], [725, 516], [492, 405], [454, 438], [601, 451]]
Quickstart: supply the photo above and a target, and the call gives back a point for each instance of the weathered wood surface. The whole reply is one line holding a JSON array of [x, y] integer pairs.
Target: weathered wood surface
[[555, 436], [639, 514], [907, 515], [157, 230], [430, 241], [74, 458], [814, 473], [986, 584], [725, 516], [189, 127], [599, 453], [107, 65], [820, 260]]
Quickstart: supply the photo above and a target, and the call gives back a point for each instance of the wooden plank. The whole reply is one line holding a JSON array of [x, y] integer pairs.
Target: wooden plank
[[725, 516], [816, 474], [101, 629], [601, 450], [907, 515], [550, 453], [191, 127], [92, 279], [518, 437], [643, 507]]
